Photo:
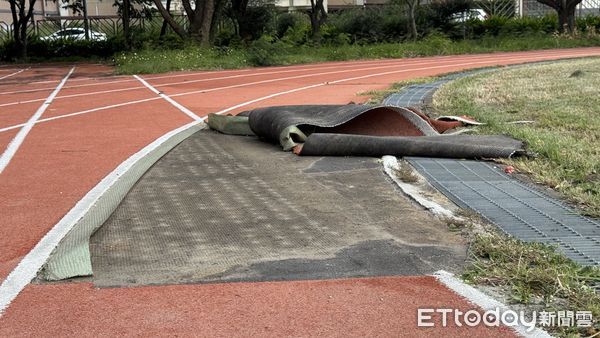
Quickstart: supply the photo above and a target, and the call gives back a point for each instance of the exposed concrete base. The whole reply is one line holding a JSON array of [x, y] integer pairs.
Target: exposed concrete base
[[232, 208]]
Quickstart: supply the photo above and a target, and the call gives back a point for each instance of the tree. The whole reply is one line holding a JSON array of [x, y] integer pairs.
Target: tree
[[566, 13], [238, 13], [251, 18], [201, 19], [163, 29], [411, 9], [22, 13], [318, 16]]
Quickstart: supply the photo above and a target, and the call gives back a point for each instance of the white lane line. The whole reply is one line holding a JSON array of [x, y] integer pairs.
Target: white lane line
[[216, 89], [82, 112], [525, 59], [158, 85], [286, 69], [16, 142], [351, 79], [485, 302], [168, 99], [13, 74], [389, 62], [270, 71], [74, 95], [221, 78], [29, 266]]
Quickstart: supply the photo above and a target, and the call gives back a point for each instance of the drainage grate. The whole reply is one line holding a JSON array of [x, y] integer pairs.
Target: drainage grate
[[415, 95], [518, 209]]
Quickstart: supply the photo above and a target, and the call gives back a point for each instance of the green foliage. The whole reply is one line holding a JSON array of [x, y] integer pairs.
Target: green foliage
[[562, 102], [535, 273], [437, 16], [589, 22], [263, 51], [370, 25], [503, 26], [298, 34], [285, 21], [258, 20], [271, 51], [44, 50]]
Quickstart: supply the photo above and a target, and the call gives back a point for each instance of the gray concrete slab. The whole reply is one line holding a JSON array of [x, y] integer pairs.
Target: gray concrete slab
[[233, 208]]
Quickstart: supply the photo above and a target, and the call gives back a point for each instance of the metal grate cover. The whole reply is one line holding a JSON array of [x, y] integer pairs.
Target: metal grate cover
[[518, 209]]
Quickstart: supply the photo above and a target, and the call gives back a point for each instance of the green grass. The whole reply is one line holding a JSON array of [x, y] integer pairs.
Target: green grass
[[265, 53], [566, 114], [537, 275], [563, 99]]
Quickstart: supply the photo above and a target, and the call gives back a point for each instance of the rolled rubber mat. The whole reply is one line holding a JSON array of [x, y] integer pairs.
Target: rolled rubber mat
[[233, 208], [365, 130]]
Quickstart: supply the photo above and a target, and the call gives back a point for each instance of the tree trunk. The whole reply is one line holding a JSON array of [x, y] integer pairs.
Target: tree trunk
[[163, 29], [20, 21], [86, 22], [566, 19], [571, 18], [318, 16], [238, 8], [207, 18], [202, 22], [169, 19], [125, 17], [562, 19], [412, 21], [315, 27]]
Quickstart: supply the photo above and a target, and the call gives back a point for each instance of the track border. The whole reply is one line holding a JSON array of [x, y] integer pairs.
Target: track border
[[75, 228]]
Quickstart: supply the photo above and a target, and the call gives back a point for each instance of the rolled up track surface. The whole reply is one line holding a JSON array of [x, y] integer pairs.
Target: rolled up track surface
[[367, 130], [446, 146]]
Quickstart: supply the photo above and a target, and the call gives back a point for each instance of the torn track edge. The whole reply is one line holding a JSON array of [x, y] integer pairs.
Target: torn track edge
[[92, 210], [390, 166]]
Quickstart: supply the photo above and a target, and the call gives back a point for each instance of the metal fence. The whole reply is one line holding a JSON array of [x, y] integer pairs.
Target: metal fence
[[534, 8], [498, 7], [110, 25]]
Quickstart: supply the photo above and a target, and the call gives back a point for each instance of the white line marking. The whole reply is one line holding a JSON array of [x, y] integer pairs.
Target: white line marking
[[286, 69], [485, 302], [14, 145], [388, 63], [348, 79], [270, 71], [281, 79], [168, 99], [29, 266], [82, 112], [13, 74], [172, 83]]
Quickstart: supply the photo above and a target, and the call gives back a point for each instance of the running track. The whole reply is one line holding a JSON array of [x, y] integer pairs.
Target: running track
[[59, 149]]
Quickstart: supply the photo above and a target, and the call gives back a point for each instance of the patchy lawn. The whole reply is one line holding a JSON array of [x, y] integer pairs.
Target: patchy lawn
[[563, 101]]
